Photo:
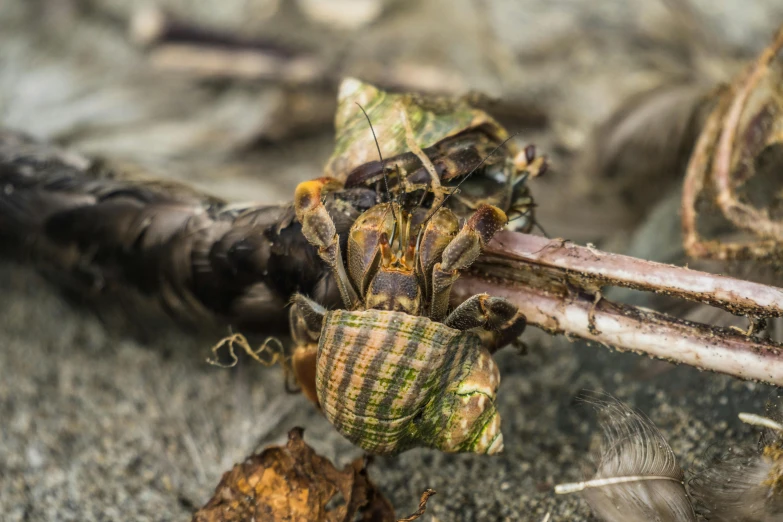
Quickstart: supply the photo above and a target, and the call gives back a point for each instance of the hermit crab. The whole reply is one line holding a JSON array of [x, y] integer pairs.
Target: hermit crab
[[394, 369]]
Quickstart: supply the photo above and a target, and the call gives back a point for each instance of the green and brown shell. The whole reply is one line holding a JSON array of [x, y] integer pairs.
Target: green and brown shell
[[432, 118], [456, 136], [389, 381]]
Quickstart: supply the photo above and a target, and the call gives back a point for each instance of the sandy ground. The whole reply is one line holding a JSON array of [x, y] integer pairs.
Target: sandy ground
[[99, 424]]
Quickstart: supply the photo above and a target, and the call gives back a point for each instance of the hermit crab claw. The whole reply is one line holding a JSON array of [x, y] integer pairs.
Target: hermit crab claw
[[397, 367]]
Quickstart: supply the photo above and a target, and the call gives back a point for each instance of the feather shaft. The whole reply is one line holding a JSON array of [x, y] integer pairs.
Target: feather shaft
[[758, 420], [575, 487]]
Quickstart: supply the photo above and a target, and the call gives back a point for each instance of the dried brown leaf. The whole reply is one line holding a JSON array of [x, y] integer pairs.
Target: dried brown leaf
[[293, 483]]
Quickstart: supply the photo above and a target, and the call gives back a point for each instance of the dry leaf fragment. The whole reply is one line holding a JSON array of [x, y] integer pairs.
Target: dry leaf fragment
[[293, 483]]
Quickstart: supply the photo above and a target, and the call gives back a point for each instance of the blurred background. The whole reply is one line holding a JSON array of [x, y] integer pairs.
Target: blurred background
[[237, 98]]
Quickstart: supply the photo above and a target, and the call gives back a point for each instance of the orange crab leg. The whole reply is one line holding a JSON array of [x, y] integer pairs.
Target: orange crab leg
[[319, 229]]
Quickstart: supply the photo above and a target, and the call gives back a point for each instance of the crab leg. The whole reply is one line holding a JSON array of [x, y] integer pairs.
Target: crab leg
[[460, 253], [319, 229], [500, 319], [306, 318]]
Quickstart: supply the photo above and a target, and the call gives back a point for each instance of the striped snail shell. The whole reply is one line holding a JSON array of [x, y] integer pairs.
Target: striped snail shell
[[390, 381]]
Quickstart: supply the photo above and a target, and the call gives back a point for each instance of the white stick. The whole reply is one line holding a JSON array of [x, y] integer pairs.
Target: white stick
[[728, 293], [642, 331], [575, 487], [758, 420]]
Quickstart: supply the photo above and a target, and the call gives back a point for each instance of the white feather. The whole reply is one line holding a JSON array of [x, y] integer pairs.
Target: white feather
[[747, 484], [637, 477]]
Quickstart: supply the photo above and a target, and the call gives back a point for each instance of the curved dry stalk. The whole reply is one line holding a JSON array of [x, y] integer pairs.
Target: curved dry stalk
[[695, 179], [710, 164], [745, 216]]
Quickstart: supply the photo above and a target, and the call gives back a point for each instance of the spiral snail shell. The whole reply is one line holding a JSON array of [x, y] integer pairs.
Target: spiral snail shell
[[389, 381], [452, 131]]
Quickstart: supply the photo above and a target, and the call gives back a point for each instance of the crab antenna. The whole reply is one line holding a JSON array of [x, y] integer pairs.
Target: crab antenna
[[383, 162], [536, 224], [539, 227], [400, 193]]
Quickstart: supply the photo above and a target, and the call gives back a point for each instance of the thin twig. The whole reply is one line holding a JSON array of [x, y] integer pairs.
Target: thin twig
[[248, 64], [422, 506]]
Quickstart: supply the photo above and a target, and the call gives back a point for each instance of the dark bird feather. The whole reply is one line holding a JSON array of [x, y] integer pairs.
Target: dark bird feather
[[641, 151], [97, 231]]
